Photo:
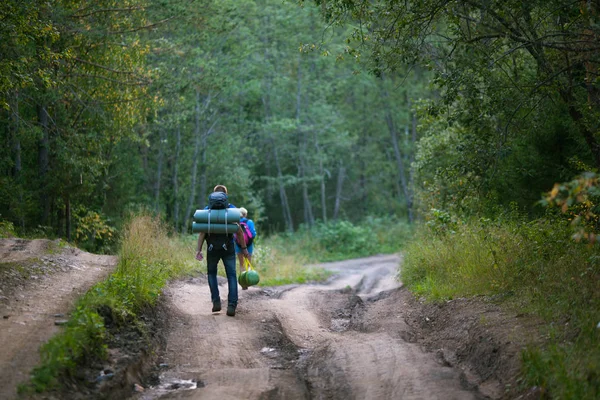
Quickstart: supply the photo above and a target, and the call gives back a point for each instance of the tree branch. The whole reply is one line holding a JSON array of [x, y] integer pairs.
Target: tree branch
[[104, 67], [128, 83], [105, 10]]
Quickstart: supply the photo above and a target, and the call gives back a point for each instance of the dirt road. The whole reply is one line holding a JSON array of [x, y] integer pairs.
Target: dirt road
[[39, 282], [343, 340]]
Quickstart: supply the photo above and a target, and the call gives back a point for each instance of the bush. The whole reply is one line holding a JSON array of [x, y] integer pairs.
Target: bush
[[7, 229], [342, 240], [93, 232]]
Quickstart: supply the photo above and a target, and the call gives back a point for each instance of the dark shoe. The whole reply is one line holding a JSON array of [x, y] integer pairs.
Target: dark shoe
[[216, 306], [231, 311]]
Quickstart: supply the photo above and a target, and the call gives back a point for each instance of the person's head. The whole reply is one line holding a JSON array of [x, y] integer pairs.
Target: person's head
[[220, 188], [243, 212]]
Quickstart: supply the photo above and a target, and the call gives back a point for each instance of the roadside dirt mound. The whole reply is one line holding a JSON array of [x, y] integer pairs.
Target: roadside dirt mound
[[39, 282], [478, 336], [360, 336]]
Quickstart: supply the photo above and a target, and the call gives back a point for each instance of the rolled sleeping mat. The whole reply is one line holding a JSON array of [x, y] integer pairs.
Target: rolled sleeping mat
[[218, 216], [214, 228]]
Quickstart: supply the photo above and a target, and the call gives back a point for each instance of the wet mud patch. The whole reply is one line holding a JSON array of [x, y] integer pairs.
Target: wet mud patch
[[270, 292], [278, 348], [340, 311], [324, 379]]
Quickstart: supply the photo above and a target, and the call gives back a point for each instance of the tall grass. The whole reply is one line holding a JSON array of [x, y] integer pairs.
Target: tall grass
[[148, 258], [536, 267]]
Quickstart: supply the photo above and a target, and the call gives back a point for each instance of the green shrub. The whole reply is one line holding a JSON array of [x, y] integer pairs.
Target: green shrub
[[7, 229], [93, 232], [82, 340], [342, 240]]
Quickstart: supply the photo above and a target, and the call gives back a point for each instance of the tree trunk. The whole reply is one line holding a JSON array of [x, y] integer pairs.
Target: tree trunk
[[16, 142], [411, 174], [302, 168], [16, 153], [174, 180], [338, 190], [323, 188], [44, 163], [159, 170], [203, 169], [68, 217], [362, 144], [308, 213], [565, 92], [192, 197], [389, 119], [285, 207]]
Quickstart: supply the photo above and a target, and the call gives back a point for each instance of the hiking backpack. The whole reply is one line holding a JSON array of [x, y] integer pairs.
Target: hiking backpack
[[247, 234], [219, 201]]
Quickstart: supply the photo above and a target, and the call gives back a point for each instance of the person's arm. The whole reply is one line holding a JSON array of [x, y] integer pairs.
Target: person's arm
[[201, 237], [242, 240]]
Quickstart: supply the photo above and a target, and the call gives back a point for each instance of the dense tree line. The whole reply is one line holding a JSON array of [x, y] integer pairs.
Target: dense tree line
[[309, 111], [518, 93], [111, 106]]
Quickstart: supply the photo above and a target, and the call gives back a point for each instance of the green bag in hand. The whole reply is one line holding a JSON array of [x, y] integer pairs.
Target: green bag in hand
[[249, 277]]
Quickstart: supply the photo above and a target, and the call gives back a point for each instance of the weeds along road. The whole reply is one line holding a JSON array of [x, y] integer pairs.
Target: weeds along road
[[33, 307], [340, 340]]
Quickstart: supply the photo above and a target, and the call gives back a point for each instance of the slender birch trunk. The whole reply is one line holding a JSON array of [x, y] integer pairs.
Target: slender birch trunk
[[338, 190]]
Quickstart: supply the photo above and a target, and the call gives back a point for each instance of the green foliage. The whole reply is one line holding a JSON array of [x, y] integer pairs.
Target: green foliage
[[7, 229], [579, 200], [93, 232], [342, 240], [81, 342], [537, 268], [568, 370]]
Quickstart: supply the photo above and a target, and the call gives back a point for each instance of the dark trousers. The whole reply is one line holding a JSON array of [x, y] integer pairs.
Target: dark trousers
[[212, 259]]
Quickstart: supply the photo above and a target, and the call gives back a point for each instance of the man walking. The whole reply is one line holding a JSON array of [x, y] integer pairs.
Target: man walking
[[221, 247]]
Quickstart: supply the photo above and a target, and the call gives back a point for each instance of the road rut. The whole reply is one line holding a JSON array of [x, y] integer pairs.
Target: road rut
[[345, 339]]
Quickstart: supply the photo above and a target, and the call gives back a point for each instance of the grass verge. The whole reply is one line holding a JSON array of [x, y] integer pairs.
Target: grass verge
[[148, 259], [535, 267]]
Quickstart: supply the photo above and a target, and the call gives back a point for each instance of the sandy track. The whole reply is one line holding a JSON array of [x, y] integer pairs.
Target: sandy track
[[342, 340], [29, 313]]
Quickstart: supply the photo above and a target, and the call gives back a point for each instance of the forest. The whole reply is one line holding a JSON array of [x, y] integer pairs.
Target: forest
[[308, 111], [475, 124], [108, 107]]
